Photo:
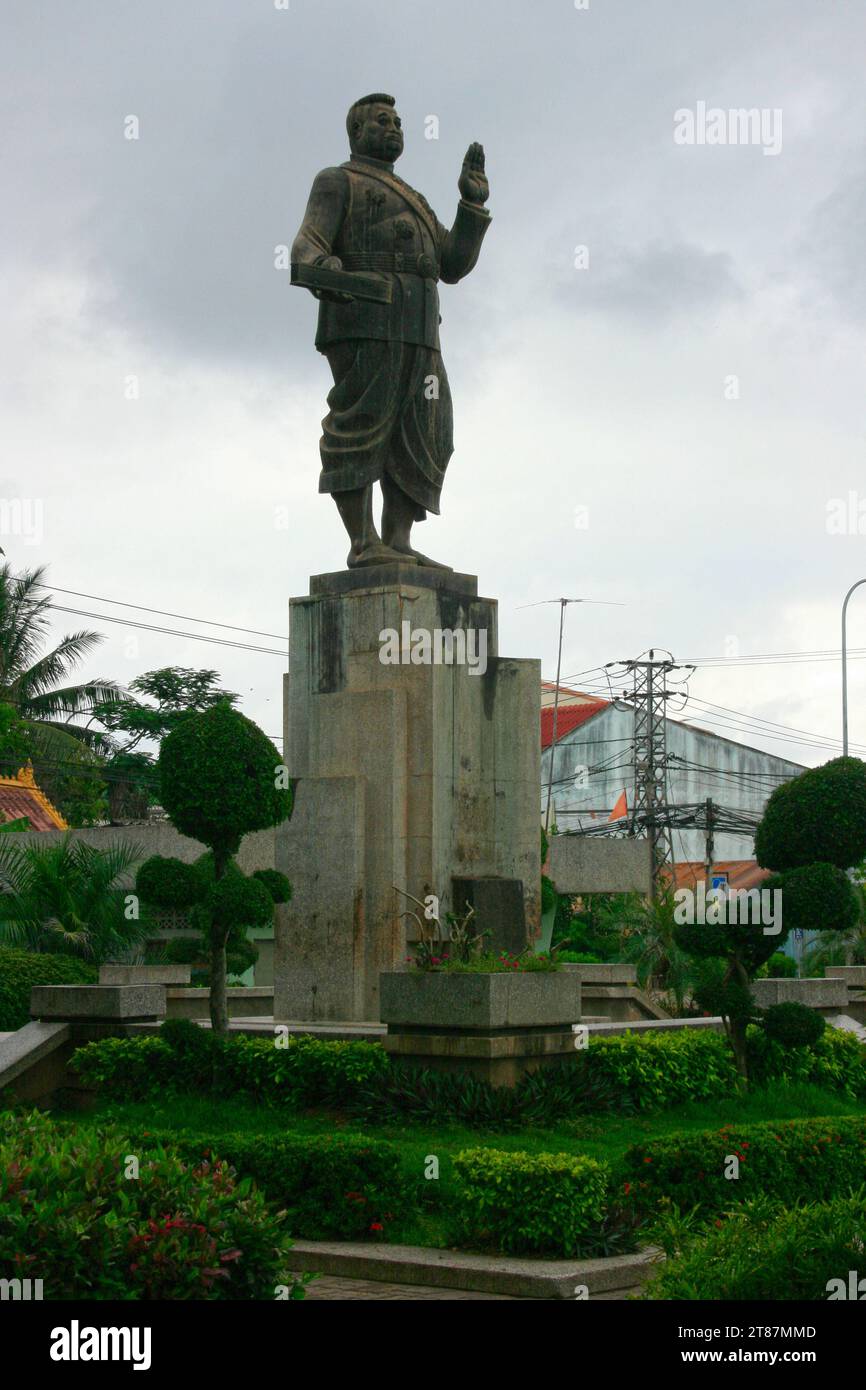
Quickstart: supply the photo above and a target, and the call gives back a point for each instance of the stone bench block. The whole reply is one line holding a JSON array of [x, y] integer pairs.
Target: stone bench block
[[97, 1003]]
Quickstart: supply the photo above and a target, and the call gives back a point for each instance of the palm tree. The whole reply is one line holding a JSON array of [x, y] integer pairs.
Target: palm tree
[[31, 682], [67, 897], [64, 752]]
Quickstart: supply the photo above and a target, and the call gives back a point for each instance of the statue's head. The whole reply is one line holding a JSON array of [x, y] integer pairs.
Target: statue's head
[[374, 128]]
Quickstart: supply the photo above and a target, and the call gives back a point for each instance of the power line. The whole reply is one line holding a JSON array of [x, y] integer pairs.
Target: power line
[[170, 632], [161, 612]]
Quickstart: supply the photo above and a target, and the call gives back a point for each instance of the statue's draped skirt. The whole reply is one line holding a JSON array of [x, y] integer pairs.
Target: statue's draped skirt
[[389, 413]]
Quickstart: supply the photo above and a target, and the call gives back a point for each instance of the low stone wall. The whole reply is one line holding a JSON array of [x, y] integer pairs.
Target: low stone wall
[[828, 996], [242, 1003], [854, 977], [159, 837], [609, 991]]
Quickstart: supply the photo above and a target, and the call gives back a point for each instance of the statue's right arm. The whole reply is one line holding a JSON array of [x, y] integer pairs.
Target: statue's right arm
[[323, 218]]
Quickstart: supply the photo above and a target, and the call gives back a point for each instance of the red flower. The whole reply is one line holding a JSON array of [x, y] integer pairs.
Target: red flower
[[376, 1226]]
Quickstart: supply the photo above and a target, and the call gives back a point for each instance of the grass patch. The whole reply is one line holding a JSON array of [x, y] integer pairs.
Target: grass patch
[[603, 1137]]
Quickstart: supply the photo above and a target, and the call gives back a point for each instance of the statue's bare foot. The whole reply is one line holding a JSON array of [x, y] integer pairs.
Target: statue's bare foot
[[378, 553], [410, 555]]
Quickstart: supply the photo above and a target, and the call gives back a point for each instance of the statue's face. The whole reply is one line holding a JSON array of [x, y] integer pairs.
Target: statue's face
[[379, 134]]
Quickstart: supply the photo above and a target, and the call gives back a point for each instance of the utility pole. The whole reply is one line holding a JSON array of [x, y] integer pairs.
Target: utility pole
[[650, 695], [562, 606], [845, 667], [710, 840]]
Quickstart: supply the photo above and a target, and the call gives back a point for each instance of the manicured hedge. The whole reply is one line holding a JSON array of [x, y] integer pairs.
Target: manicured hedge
[[654, 1071], [21, 970], [338, 1187], [530, 1203], [793, 1161], [761, 1254], [622, 1074], [306, 1071], [74, 1214]]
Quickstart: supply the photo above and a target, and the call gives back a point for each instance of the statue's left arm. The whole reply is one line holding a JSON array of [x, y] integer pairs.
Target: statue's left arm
[[460, 247]]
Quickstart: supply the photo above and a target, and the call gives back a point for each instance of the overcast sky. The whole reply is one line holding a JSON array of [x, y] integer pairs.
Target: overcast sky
[[673, 426]]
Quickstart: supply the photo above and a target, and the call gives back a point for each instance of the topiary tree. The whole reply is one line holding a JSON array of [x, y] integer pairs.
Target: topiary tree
[[818, 817], [812, 830], [222, 778], [228, 907]]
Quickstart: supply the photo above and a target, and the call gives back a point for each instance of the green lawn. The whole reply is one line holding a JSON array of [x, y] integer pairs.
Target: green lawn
[[599, 1136]]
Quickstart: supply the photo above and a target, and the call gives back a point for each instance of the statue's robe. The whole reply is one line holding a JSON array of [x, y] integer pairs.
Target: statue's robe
[[389, 411]]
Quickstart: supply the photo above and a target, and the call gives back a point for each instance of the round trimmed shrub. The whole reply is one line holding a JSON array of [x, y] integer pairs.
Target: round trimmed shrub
[[238, 901], [21, 970], [276, 883], [162, 882], [819, 816], [793, 1025], [817, 897], [218, 775]]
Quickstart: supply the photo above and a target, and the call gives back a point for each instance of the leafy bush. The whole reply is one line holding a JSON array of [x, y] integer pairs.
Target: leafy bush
[[778, 967], [530, 1203], [836, 1062], [657, 1070], [793, 1161], [767, 1252], [306, 1071], [21, 970], [337, 1187], [793, 1025], [70, 1216], [624, 1074]]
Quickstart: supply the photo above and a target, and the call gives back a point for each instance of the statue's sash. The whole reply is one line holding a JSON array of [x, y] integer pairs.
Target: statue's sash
[[417, 203]]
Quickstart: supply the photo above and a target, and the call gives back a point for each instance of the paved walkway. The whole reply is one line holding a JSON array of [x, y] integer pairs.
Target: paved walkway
[[331, 1288]]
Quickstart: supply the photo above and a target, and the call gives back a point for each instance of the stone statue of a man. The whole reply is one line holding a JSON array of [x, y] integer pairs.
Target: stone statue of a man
[[389, 412]]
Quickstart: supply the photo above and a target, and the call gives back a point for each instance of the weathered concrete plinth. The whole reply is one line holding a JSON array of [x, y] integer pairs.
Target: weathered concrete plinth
[[411, 775], [497, 1027]]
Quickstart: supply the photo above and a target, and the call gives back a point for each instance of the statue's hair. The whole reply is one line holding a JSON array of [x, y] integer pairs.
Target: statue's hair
[[374, 99]]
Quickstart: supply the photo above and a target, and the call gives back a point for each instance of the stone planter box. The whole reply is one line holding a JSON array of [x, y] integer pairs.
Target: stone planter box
[[530, 999], [496, 1026]]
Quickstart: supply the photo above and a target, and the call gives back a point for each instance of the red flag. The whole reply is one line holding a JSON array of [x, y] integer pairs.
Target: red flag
[[620, 809]]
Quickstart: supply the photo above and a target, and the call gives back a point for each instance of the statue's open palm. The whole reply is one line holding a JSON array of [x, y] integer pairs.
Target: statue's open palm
[[473, 183]]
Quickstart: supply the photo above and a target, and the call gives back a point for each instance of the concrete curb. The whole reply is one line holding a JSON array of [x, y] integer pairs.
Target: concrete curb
[[454, 1269]]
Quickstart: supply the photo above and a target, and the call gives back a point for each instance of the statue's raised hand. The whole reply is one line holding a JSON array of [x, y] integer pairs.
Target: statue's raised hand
[[473, 183]]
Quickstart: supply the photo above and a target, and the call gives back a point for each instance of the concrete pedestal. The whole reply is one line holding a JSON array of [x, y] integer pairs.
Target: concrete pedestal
[[411, 775]]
